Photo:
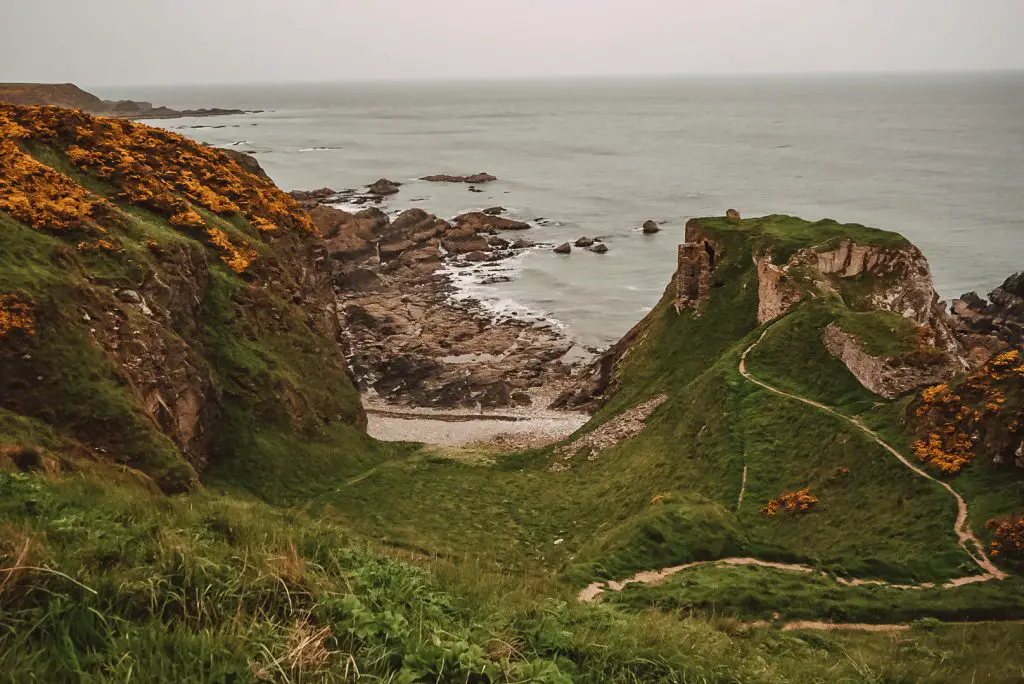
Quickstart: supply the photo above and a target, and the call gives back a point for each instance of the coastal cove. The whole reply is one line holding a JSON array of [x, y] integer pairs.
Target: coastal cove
[[933, 157]]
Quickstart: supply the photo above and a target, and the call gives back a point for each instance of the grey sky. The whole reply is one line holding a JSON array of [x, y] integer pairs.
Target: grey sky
[[114, 42]]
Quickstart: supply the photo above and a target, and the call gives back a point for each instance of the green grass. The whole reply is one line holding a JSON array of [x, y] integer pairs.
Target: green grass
[[880, 333], [127, 585], [759, 593]]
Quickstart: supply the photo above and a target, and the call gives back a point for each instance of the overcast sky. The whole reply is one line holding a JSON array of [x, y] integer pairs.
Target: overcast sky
[[129, 42]]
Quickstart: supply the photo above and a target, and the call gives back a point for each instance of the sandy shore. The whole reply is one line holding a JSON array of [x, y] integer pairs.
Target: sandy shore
[[512, 428]]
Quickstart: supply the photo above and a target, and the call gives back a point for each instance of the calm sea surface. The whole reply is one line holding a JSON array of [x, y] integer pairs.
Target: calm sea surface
[[937, 158]]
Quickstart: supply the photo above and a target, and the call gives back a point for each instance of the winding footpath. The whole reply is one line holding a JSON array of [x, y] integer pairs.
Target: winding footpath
[[965, 536]]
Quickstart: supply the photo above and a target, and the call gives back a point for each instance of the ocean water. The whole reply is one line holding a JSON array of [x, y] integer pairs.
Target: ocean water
[[939, 159]]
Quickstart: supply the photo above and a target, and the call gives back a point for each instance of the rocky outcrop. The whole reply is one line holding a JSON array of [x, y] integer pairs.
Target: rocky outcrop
[[383, 186], [479, 222], [564, 248], [406, 339], [583, 242], [776, 293], [696, 259], [474, 178], [888, 376], [650, 228], [732, 214], [986, 328], [599, 248], [901, 282]]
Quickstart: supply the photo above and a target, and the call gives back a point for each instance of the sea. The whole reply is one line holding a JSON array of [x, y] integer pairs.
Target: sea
[[938, 158]]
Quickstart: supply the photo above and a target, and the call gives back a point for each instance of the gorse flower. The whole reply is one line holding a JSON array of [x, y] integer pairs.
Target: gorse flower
[[150, 168], [15, 315], [799, 501]]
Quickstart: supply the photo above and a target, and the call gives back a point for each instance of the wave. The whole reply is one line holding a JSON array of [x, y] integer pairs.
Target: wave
[[476, 281], [318, 149]]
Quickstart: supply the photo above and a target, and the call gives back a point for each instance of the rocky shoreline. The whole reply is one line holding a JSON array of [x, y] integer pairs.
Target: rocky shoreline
[[414, 341]]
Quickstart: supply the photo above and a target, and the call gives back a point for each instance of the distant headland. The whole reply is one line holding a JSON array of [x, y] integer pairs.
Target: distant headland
[[71, 96]]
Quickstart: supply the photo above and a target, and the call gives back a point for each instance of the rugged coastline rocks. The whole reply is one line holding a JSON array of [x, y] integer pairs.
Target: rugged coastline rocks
[[480, 221], [383, 186], [986, 328], [407, 339], [472, 179], [583, 242], [599, 248], [564, 248]]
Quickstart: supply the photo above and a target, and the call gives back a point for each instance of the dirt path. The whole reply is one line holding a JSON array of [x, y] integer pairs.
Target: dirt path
[[964, 534], [743, 488]]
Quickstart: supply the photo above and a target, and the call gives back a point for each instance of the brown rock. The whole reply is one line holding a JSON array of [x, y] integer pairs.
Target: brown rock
[[599, 248], [650, 228], [563, 248], [384, 187], [584, 242], [732, 214], [479, 222], [477, 256], [495, 211], [475, 178]]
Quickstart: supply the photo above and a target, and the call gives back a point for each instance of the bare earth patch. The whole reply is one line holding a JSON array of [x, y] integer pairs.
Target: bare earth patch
[[616, 430]]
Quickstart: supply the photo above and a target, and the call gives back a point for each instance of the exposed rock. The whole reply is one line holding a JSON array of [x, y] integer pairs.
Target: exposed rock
[[563, 248], [904, 283], [498, 243], [479, 222], [583, 242], [776, 293], [696, 258], [477, 256], [620, 428], [384, 187], [475, 178], [247, 162], [650, 227], [732, 214], [985, 329], [495, 211], [599, 248], [888, 376], [523, 243], [473, 188]]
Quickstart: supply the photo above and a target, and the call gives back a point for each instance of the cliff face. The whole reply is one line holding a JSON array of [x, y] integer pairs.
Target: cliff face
[[168, 300]]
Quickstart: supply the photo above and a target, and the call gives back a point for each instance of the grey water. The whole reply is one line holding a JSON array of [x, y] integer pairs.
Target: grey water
[[938, 158]]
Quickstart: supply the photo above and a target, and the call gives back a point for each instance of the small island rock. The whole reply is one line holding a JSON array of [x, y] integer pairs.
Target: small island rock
[[563, 248], [650, 228]]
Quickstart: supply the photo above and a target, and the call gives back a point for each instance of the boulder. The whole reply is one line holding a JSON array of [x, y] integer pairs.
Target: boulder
[[584, 242], [650, 228], [474, 178], [599, 248], [498, 243], [495, 211], [732, 214], [563, 248], [384, 187], [480, 222], [477, 256], [463, 240], [523, 243]]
